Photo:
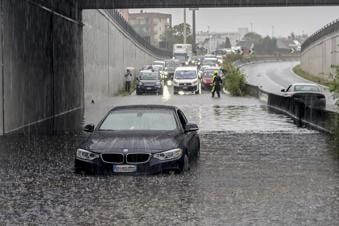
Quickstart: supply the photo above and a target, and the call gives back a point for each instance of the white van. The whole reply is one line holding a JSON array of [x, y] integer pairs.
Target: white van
[[186, 79]]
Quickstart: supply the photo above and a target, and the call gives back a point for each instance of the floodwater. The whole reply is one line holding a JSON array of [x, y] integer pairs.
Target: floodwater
[[256, 167]]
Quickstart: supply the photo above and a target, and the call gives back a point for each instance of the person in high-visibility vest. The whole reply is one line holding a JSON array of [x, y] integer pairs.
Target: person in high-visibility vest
[[217, 83]]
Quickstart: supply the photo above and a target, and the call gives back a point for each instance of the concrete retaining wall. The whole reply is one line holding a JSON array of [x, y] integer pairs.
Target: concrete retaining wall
[[317, 58], [107, 53], [42, 64]]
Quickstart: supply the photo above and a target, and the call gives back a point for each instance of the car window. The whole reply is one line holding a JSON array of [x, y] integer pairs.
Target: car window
[[140, 119], [306, 88], [182, 118]]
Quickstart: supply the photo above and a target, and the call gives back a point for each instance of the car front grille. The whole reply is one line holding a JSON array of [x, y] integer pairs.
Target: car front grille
[[113, 158], [137, 158], [185, 84]]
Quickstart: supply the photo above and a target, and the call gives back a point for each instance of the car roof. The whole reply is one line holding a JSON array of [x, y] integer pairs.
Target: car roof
[[186, 69], [144, 106], [304, 84]]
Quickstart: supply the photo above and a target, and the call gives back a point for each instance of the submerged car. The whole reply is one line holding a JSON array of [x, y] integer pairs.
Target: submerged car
[[186, 80], [139, 139], [149, 82], [307, 93]]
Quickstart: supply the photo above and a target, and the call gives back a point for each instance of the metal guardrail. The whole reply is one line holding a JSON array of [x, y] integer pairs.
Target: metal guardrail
[[316, 118], [328, 29], [116, 16]]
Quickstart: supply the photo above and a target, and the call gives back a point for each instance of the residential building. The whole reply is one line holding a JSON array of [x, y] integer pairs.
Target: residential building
[[150, 25]]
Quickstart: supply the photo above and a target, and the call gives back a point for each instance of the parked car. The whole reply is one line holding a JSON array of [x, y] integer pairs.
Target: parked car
[[139, 139], [306, 93], [186, 80], [149, 82], [207, 75]]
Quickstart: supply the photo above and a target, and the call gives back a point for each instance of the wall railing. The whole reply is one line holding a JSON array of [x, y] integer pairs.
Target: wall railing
[[326, 30], [116, 16]]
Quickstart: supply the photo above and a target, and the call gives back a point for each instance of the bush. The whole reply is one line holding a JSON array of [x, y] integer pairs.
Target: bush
[[334, 85], [235, 82]]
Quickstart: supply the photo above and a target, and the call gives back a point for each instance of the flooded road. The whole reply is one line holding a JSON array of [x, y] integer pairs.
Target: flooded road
[[256, 167]]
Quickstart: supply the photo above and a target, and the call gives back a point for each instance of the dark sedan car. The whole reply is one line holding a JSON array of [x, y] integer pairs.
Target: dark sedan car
[[139, 139], [149, 82]]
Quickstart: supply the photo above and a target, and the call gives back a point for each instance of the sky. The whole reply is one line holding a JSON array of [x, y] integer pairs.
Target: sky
[[284, 20]]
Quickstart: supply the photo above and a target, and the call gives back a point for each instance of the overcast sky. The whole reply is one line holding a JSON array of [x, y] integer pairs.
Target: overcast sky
[[284, 19]]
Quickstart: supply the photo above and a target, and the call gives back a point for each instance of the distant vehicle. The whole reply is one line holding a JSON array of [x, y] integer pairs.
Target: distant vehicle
[[159, 62], [149, 82], [171, 65], [206, 78], [139, 139], [147, 67], [186, 79], [306, 93], [160, 69], [209, 61], [182, 52]]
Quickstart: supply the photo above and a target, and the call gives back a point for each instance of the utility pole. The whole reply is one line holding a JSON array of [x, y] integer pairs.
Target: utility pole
[[194, 44], [185, 32]]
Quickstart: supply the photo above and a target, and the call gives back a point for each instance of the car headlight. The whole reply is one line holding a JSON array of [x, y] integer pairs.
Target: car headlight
[[141, 84], [175, 83], [158, 83], [86, 155], [169, 155]]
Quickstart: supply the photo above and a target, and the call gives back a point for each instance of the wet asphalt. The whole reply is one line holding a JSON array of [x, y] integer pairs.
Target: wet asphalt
[[256, 168]]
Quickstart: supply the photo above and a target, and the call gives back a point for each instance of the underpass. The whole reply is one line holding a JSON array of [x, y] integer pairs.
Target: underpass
[[256, 166]]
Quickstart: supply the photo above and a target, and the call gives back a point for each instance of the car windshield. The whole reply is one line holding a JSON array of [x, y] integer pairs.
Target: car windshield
[[185, 74], [210, 62], [209, 73], [306, 88], [140, 119], [180, 56], [148, 76], [157, 67]]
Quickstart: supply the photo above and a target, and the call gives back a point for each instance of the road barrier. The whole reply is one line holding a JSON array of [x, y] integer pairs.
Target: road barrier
[[326, 30], [301, 110]]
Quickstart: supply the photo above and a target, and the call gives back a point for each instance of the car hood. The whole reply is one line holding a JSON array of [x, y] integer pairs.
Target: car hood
[[116, 142]]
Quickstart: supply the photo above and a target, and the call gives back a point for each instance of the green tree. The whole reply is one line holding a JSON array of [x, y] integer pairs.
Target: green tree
[[253, 37], [175, 35], [228, 44]]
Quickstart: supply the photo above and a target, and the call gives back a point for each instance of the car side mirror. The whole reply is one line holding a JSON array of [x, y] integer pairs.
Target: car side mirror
[[190, 127], [283, 90], [89, 128]]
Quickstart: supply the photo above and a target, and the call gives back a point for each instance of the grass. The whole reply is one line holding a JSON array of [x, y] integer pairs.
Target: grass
[[299, 71]]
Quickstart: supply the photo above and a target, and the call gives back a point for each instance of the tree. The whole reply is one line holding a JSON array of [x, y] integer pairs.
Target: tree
[[228, 44], [175, 35], [253, 37]]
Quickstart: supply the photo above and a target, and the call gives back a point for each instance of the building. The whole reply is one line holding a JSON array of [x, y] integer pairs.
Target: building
[[150, 26], [213, 41], [124, 13]]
